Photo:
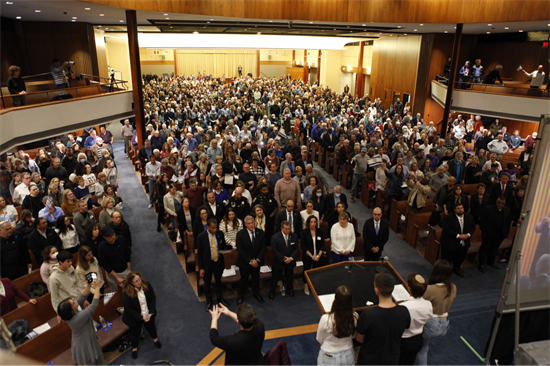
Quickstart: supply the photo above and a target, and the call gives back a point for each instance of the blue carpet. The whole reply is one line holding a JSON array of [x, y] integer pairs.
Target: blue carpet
[[183, 325]]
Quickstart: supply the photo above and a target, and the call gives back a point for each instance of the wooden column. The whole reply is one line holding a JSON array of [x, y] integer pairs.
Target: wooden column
[[452, 73], [360, 79], [293, 58], [319, 67], [258, 66], [131, 22], [175, 64], [306, 68]]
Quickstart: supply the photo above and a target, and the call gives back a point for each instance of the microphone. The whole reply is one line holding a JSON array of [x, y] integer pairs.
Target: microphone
[[381, 268]]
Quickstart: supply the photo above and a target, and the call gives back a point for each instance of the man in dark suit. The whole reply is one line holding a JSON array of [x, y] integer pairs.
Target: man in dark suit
[[215, 209], [330, 140], [376, 232], [458, 228], [284, 246], [495, 225], [502, 189], [42, 237], [209, 244], [335, 197], [251, 248], [292, 216]]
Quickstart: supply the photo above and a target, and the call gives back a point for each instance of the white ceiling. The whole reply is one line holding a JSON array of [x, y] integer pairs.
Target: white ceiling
[[115, 18]]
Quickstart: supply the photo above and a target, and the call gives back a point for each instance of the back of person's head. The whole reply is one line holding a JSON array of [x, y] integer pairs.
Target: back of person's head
[[384, 283], [247, 316], [64, 255], [441, 273], [417, 285], [65, 310], [342, 311]]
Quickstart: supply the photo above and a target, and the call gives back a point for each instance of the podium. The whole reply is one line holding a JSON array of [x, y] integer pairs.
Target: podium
[[358, 276]]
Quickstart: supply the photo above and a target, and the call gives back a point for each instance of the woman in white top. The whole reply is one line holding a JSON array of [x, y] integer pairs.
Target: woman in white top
[[420, 310], [342, 236], [308, 212], [336, 331], [89, 179], [230, 226], [68, 234], [49, 255], [111, 172], [88, 263], [8, 212], [381, 178]]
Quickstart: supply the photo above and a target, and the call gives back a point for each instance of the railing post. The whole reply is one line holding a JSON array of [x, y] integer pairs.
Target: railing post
[[450, 84], [131, 21]]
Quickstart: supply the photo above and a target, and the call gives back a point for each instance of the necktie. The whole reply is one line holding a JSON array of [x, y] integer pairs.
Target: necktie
[[503, 189], [214, 249], [286, 241], [376, 227], [290, 220], [253, 240]]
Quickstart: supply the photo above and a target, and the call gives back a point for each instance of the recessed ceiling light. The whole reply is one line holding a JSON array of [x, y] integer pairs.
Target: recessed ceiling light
[[488, 32], [334, 29], [310, 22], [106, 28], [165, 14], [9, 2], [404, 34], [506, 27], [421, 25], [391, 35], [416, 30], [87, 8], [489, 25], [195, 32], [271, 21], [259, 33], [398, 26], [171, 27], [211, 19], [122, 21], [101, 15], [17, 17], [99, 26], [75, 18], [37, 11], [446, 32], [455, 27], [167, 18], [521, 30]]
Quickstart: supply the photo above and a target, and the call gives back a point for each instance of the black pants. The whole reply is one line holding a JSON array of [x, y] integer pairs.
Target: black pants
[[246, 272], [455, 258], [135, 331], [161, 215], [370, 256], [310, 263], [289, 276], [489, 247], [409, 348], [216, 268]]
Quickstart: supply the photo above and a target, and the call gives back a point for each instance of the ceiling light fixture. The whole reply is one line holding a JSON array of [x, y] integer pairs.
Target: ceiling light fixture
[[17, 17], [122, 21], [195, 32], [37, 11], [446, 32], [271, 21], [521, 31], [488, 32], [259, 33], [167, 18], [165, 14], [171, 27], [398, 26], [9, 2], [101, 15], [87, 8], [404, 34], [211, 19], [489, 25], [416, 30], [310, 22], [207, 22], [421, 25], [506, 27], [364, 25], [75, 18]]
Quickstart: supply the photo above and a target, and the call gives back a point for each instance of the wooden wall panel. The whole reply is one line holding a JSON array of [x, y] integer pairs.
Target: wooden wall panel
[[9, 42], [390, 11], [394, 67], [422, 87], [525, 128]]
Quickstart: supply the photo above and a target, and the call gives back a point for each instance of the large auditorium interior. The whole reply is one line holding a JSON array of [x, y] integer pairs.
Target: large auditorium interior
[[210, 182]]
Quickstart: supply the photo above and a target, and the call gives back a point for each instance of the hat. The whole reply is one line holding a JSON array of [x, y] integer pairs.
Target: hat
[[69, 145], [364, 150], [107, 231]]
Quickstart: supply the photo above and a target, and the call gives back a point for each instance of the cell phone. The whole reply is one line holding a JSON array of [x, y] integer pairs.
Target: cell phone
[[91, 277]]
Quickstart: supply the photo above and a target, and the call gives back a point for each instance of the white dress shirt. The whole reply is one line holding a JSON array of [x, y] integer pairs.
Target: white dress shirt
[[142, 302], [420, 310]]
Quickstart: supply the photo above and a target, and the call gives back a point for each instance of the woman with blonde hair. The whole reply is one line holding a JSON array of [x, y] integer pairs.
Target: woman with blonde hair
[[109, 207], [87, 263], [69, 203], [140, 309]]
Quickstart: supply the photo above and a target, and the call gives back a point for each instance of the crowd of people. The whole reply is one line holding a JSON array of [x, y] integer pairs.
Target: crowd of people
[[229, 163]]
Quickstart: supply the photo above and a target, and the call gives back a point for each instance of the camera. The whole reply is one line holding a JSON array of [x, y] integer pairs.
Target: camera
[[70, 63]]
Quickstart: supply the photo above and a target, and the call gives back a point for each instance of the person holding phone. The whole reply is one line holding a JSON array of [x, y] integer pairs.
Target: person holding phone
[[85, 346], [88, 270]]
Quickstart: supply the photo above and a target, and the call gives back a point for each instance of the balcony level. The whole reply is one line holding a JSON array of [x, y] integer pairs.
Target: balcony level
[[512, 101]]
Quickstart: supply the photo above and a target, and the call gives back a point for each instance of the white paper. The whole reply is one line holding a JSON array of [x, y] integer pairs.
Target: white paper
[[79, 139], [108, 296], [299, 263], [265, 269], [228, 179], [229, 272], [181, 179], [400, 293], [174, 178], [326, 301], [42, 328]]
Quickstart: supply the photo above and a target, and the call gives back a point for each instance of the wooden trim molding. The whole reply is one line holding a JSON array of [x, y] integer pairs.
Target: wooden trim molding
[[275, 62], [158, 62]]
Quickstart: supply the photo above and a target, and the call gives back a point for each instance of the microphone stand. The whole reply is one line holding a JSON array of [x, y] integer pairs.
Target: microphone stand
[[381, 268]]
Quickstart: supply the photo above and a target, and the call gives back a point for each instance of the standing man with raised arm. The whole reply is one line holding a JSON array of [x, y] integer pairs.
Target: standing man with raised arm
[[537, 77], [58, 72], [251, 247]]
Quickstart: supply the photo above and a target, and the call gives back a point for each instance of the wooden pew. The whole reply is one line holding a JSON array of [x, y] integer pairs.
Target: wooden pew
[[329, 156], [366, 198], [335, 168], [398, 208], [415, 224], [23, 282], [35, 315], [345, 177], [432, 245]]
